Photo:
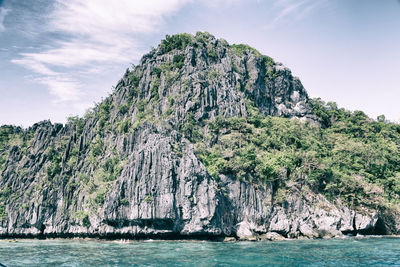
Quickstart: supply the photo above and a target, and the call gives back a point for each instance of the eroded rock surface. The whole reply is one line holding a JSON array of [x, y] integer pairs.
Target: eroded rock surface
[[126, 169]]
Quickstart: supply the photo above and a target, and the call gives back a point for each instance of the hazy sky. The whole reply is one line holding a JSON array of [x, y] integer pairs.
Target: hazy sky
[[57, 57]]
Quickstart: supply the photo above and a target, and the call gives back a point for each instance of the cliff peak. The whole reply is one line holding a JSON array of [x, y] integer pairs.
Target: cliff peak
[[212, 78], [196, 140]]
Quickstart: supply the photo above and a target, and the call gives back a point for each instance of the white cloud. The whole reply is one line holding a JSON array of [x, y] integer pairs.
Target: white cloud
[[292, 10], [34, 66], [100, 19], [82, 53], [3, 14], [63, 87], [96, 33], [219, 3]]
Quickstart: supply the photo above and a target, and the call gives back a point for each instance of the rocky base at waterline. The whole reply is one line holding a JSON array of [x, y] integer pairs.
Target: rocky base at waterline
[[190, 145], [243, 212]]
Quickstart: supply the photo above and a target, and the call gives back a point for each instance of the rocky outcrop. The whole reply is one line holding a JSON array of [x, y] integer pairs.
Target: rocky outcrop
[[127, 169]]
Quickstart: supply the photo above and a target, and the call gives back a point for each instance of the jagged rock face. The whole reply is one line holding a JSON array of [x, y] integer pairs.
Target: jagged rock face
[[207, 86], [126, 169]]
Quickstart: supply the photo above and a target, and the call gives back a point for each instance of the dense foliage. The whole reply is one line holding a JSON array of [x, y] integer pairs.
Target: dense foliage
[[177, 41], [352, 157], [240, 49]]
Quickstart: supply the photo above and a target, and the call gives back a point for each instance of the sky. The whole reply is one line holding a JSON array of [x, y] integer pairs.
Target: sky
[[59, 57]]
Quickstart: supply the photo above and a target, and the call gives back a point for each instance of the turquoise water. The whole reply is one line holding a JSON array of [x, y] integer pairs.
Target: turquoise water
[[347, 252]]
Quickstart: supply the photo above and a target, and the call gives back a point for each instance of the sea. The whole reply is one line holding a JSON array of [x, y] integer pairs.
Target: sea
[[357, 251]]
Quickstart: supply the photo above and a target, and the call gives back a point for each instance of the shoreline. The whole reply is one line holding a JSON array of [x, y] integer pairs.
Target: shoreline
[[217, 240]]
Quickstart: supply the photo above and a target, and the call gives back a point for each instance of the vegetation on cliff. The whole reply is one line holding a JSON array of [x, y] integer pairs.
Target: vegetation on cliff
[[348, 157], [246, 116]]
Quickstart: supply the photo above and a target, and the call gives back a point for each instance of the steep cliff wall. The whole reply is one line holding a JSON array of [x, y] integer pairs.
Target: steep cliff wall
[[130, 168]]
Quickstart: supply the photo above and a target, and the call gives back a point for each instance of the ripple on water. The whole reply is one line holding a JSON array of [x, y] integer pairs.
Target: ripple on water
[[334, 252]]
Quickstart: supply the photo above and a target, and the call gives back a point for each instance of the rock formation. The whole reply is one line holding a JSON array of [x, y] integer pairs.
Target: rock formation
[[128, 169]]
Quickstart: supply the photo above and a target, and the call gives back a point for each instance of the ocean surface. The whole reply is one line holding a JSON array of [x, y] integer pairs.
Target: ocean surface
[[333, 252]]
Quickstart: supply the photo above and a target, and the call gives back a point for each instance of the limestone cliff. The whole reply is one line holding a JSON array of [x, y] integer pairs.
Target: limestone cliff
[[130, 169]]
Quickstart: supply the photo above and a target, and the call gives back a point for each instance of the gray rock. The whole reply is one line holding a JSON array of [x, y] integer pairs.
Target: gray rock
[[272, 236], [243, 231], [128, 170]]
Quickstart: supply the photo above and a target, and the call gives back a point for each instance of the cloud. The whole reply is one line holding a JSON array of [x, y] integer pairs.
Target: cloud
[[94, 36], [100, 19], [63, 87], [35, 66], [292, 10], [222, 3], [3, 14], [93, 33]]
